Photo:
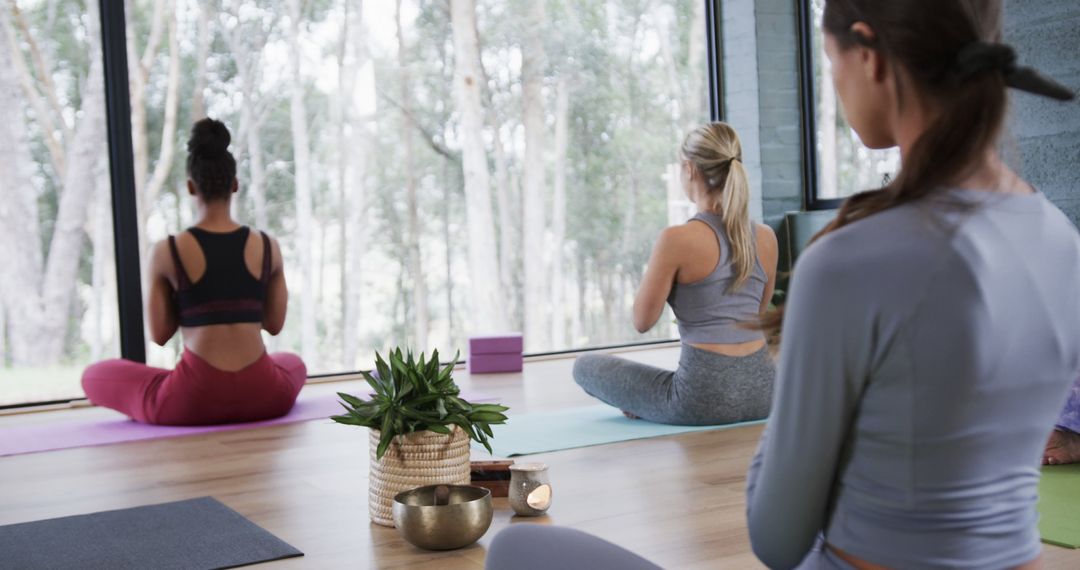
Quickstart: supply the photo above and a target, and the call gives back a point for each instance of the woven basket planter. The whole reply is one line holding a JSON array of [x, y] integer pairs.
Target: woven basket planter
[[414, 460]]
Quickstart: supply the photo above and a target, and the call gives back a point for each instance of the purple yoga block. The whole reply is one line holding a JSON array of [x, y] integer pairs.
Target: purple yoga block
[[487, 363], [510, 343]]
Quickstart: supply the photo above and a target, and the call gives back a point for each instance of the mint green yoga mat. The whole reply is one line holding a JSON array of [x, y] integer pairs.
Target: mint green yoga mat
[[579, 427], [1059, 505]]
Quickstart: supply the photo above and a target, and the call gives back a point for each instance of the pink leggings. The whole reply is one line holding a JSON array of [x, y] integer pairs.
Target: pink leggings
[[196, 393]]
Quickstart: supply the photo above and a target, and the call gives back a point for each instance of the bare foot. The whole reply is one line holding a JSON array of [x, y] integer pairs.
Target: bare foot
[[629, 415], [1063, 447]]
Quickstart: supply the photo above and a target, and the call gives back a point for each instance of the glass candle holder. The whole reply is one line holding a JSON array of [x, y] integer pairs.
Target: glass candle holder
[[530, 489]]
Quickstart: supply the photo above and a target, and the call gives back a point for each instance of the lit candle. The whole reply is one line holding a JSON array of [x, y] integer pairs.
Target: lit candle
[[540, 498]]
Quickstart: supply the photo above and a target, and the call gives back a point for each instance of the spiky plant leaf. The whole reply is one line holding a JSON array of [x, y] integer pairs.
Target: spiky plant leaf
[[347, 420], [487, 417], [351, 400], [384, 372], [489, 408]]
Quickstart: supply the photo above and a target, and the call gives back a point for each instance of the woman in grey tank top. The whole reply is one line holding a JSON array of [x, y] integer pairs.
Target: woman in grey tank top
[[717, 272]]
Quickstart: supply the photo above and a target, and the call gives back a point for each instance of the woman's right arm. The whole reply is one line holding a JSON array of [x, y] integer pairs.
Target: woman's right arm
[[659, 277], [825, 358], [277, 292], [160, 308]]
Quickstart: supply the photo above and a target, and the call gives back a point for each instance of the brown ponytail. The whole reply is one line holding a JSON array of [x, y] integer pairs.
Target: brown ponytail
[[948, 52]]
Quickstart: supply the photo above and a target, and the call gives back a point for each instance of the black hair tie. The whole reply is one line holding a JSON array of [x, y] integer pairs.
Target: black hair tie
[[980, 57]]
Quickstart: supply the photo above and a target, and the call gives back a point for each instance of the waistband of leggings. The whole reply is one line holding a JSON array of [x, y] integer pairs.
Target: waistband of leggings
[[692, 354], [199, 364]]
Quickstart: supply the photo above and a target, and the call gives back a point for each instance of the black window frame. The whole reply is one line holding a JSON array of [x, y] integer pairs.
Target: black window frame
[[808, 109], [122, 177]]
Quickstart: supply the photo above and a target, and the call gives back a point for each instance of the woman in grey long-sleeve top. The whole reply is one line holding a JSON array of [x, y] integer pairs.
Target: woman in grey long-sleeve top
[[931, 335], [925, 358]]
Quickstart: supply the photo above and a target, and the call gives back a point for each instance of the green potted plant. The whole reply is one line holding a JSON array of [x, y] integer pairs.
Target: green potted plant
[[419, 427]]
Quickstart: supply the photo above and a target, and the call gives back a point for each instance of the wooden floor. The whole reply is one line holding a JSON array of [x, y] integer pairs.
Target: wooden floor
[[676, 500]]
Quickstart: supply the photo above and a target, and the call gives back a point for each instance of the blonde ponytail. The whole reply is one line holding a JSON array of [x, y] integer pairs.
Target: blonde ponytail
[[715, 150], [735, 212]]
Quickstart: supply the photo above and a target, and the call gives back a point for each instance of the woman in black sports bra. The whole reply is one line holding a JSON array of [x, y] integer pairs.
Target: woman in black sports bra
[[220, 284]]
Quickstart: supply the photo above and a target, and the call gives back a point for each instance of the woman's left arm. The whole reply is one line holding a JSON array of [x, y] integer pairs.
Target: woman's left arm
[[768, 253], [656, 284], [824, 362], [277, 292]]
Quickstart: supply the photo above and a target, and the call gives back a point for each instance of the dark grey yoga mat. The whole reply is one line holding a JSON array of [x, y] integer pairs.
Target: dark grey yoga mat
[[197, 534]]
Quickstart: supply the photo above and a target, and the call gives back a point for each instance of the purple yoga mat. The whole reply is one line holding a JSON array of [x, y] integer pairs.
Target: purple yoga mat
[[86, 433]]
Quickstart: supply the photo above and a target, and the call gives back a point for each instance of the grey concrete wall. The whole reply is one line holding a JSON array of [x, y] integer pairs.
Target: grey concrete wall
[[1046, 35], [762, 99]]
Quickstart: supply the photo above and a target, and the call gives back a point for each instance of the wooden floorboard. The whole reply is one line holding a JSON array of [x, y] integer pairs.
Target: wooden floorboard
[[676, 500]]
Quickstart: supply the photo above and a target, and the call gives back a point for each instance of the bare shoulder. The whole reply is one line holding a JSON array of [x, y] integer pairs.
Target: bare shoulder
[[765, 235], [161, 251], [161, 259], [674, 236], [275, 248], [161, 247], [694, 230], [185, 242], [255, 239], [684, 237]]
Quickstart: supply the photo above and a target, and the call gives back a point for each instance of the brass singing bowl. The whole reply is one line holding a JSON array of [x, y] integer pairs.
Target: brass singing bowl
[[443, 519]]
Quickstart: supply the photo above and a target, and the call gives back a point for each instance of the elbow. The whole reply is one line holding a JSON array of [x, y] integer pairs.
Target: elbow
[[768, 560], [160, 337], [643, 321], [274, 327], [641, 325], [768, 554], [772, 549]]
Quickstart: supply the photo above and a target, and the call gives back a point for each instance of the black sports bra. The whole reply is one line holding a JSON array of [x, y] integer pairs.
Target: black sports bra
[[226, 293]]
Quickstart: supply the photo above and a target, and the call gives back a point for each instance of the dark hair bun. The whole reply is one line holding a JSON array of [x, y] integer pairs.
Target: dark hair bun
[[209, 139], [210, 165]]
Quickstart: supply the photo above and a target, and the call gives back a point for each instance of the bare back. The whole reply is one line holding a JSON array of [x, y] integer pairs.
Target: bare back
[[686, 254], [702, 255], [230, 346]]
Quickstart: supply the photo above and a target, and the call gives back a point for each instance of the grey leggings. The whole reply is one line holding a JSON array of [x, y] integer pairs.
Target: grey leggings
[[707, 388]]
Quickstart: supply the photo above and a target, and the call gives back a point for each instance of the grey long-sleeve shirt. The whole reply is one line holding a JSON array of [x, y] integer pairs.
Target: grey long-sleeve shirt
[[926, 353]]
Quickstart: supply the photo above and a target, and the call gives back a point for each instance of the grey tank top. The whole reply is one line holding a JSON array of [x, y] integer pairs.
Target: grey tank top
[[706, 311]]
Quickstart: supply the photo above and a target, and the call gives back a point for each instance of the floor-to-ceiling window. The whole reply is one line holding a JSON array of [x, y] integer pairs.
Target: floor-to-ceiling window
[[432, 169], [844, 165], [58, 304]]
